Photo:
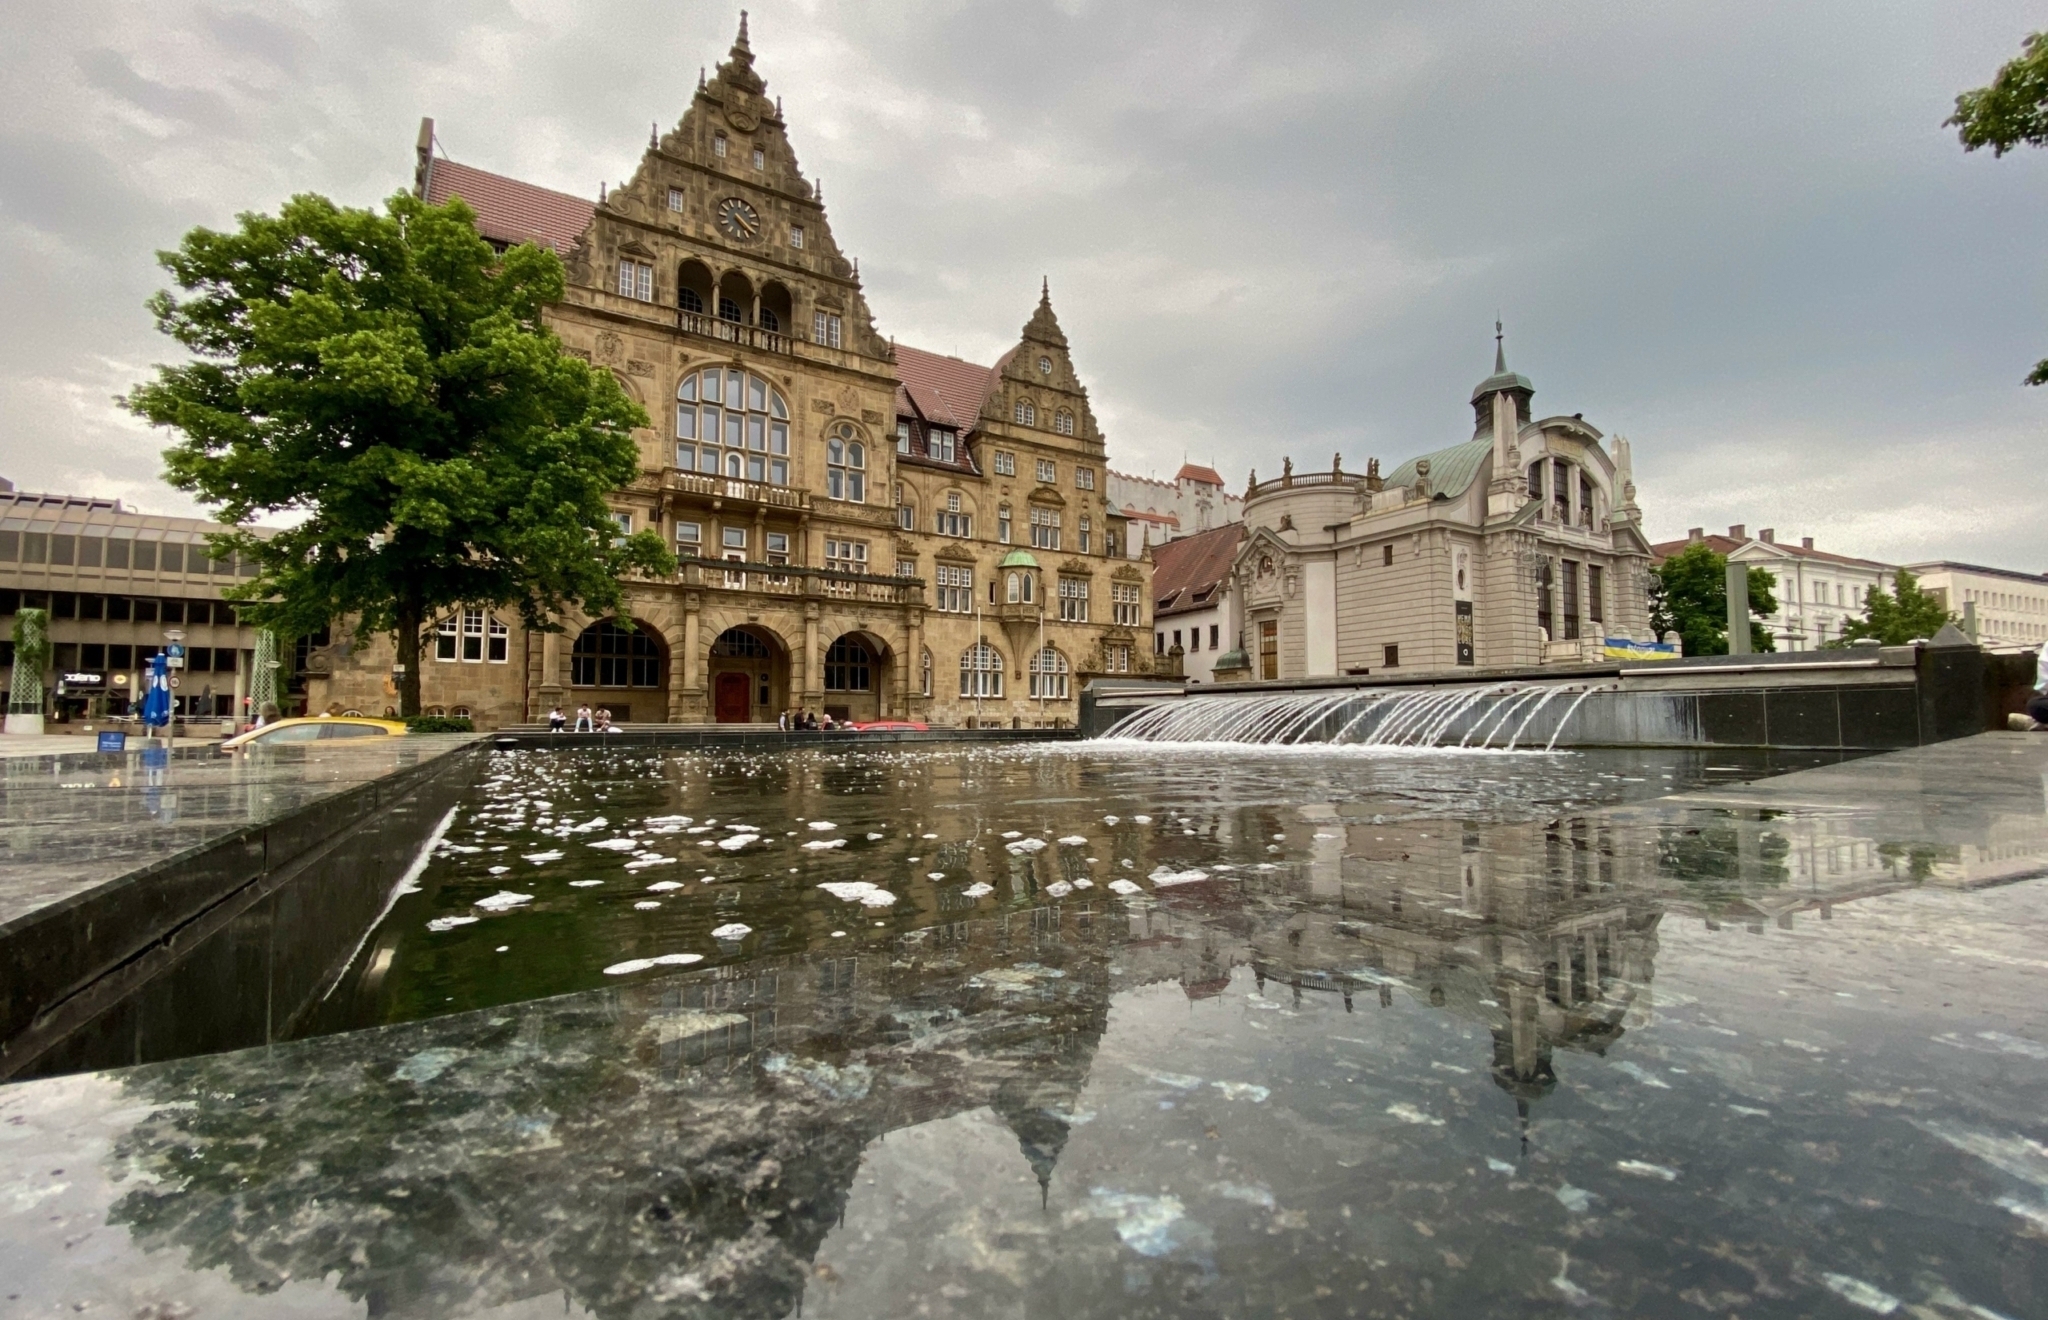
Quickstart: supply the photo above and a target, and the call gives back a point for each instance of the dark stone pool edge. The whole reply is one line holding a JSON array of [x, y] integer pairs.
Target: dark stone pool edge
[[749, 738], [156, 962]]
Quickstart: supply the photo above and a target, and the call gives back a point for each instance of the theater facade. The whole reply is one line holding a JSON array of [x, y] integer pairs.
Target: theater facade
[[864, 528]]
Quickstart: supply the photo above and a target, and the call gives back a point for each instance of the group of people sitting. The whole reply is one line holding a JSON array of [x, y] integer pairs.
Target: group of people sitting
[[587, 721], [797, 720]]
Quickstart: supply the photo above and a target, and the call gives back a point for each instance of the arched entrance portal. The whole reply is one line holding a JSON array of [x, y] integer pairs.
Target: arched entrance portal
[[859, 677], [749, 676], [621, 665]]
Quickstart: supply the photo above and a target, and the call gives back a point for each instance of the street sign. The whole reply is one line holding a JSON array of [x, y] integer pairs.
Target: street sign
[[174, 680], [175, 653]]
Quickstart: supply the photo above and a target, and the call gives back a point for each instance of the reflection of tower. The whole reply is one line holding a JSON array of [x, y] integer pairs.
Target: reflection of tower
[[1034, 1113]]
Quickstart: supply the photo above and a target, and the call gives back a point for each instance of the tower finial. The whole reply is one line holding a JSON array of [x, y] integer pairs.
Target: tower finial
[[700, 77], [1500, 352], [742, 42], [653, 134], [1045, 288]]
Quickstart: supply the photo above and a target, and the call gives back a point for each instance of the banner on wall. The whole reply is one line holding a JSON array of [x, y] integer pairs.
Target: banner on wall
[[1621, 648]]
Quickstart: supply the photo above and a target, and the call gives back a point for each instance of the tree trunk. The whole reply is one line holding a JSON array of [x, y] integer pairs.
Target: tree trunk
[[409, 658]]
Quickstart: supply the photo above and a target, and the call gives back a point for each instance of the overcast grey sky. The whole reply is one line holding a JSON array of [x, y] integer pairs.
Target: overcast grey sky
[[1735, 232]]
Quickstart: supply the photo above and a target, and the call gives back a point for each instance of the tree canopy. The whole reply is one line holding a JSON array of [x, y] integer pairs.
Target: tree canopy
[[2011, 112], [1689, 596], [1899, 616], [384, 382]]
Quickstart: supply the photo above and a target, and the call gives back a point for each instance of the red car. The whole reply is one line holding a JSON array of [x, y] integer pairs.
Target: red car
[[890, 726]]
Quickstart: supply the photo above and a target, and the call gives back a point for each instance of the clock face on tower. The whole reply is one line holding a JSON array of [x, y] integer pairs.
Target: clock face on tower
[[738, 219]]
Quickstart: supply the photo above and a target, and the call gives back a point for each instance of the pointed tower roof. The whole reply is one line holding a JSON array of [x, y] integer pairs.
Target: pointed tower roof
[[1044, 327], [1502, 378]]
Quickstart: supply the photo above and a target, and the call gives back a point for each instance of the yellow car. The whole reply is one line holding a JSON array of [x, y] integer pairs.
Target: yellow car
[[315, 728]]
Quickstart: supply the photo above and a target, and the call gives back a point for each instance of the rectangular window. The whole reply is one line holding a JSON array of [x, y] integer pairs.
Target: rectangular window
[[35, 547], [825, 328], [1159, 643], [473, 636], [91, 549], [1005, 464], [1571, 600], [1125, 602], [689, 538], [636, 280], [145, 555], [1073, 600], [1048, 471], [1544, 621], [1392, 653], [1087, 534], [846, 556], [718, 145], [1269, 649], [955, 589], [1003, 525], [796, 236], [198, 611], [1596, 594], [118, 608], [63, 548], [906, 517], [1117, 658], [942, 445], [10, 546], [1045, 528], [500, 643], [117, 552], [902, 435], [145, 611], [1176, 639], [760, 159], [906, 568], [1387, 555], [675, 199], [733, 538], [447, 638], [1084, 478], [172, 557]]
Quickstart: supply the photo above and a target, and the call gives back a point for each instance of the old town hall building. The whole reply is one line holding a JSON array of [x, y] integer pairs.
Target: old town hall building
[[864, 529]]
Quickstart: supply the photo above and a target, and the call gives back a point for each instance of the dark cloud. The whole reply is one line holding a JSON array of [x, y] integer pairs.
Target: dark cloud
[[1735, 232]]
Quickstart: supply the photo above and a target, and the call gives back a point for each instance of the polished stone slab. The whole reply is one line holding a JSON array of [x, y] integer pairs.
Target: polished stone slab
[[1442, 1036]]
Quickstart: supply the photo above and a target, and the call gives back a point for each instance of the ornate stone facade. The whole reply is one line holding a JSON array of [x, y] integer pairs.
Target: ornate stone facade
[[1522, 546], [865, 530]]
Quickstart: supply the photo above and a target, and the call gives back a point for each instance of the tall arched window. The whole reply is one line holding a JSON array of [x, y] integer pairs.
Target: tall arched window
[[846, 462], [1018, 589], [981, 671], [732, 422], [615, 655], [1026, 413], [1049, 675], [848, 666], [927, 687], [1536, 480]]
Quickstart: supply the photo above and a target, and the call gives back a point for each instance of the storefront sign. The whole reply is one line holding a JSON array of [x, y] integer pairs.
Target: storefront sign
[[83, 679]]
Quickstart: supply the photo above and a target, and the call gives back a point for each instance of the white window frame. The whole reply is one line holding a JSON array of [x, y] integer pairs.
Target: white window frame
[[1073, 599], [1084, 478], [675, 199], [1005, 463], [796, 236], [1048, 472], [636, 279]]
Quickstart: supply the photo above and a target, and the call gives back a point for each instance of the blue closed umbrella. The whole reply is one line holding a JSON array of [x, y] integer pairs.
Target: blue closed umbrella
[[156, 701]]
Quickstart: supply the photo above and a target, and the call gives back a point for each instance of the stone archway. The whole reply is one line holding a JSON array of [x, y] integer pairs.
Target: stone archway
[[747, 676], [621, 665], [859, 677]]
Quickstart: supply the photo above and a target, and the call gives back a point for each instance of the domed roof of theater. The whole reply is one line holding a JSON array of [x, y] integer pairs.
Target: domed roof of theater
[[1451, 471]]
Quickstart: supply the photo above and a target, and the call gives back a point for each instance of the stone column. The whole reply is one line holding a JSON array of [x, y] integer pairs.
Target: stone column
[[913, 664], [809, 669], [548, 693], [693, 643]]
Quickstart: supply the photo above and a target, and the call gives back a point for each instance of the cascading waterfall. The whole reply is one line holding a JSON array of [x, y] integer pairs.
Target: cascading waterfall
[[1495, 716]]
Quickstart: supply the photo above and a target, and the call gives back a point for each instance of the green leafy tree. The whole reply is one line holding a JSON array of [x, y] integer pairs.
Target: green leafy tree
[[31, 658], [1897, 617], [1689, 596], [384, 382], [2011, 112]]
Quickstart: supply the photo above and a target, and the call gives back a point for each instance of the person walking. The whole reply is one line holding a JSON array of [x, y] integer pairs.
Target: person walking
[[583, 724], [557, 721]]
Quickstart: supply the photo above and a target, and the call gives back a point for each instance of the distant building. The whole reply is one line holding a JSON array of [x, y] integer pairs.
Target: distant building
[[1818, 592], [113, 580], [1158, 511], [1520, 547], [1193, 606], [2012, 607]]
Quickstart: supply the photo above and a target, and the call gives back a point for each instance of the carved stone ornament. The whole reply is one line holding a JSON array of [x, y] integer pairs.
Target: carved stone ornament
[[610, 348], [871, 417], [635, 367], [739, 112]]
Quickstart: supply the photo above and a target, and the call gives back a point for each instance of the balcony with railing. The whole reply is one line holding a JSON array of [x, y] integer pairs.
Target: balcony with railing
[[796, 581], [735, 490]]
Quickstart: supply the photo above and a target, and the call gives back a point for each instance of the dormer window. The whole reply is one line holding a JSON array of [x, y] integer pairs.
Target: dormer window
[[675, 199], [902, 435], [718, 145], [760, 159], [941, 445], [796, 236]]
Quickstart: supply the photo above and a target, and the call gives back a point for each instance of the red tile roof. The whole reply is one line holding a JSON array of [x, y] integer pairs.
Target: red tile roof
[[1186, 573], [1147, 515], [1195, 472], [509, 211], [945, 390]]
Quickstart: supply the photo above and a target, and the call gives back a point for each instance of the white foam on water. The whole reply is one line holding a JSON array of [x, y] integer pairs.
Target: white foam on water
[[821, 845], [1643, 1169], [450, 923], [823, 825], [1124, 887], [734, 930], [979, 889], [503, 900]]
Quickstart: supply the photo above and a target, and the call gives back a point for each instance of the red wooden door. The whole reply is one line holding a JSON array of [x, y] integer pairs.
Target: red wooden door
[[734, 699]]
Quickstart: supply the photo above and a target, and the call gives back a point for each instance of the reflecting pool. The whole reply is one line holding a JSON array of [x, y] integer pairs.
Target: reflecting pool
[[1096, 1031]]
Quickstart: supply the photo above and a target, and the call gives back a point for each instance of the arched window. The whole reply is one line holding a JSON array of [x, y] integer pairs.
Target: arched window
[[1063, 422], [1026, 413], [1049, 675], [732, 422], [981, 671], [848, 666], [927, 686], [1018, 589], [846, 462], [612, 654], [1585, 499], [691, 300], [739, 644]]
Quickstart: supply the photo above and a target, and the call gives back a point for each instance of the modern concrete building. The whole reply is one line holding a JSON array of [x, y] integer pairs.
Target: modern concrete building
[[117, 583], [865, 528], [2010, 607], [1521, 546], [1818, 591], [1194, 609]]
